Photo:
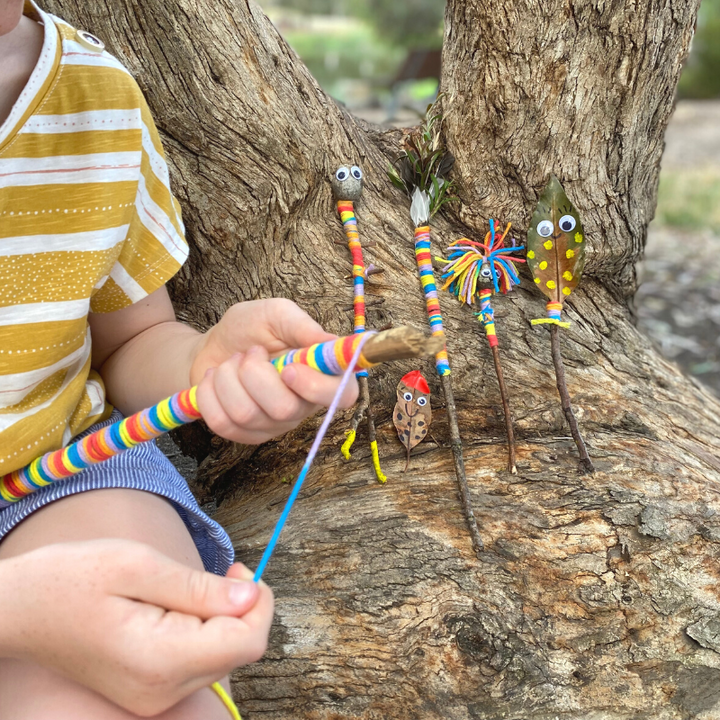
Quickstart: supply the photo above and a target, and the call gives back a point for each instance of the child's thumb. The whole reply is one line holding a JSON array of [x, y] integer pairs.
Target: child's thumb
[[174, 586]]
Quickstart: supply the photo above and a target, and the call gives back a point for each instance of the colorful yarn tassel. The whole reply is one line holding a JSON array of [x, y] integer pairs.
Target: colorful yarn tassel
[[427, 278]]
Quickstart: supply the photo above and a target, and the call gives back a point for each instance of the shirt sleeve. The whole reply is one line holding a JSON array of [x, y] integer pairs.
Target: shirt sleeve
[[155, 247]]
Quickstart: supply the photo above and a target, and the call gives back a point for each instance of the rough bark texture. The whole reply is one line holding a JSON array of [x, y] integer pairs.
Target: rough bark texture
[[598, 596]]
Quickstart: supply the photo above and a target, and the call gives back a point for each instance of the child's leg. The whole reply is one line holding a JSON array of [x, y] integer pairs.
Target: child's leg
[[30, 692]]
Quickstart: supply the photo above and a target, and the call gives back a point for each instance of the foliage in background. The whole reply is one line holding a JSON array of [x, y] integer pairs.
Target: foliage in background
[[701, 76], [408, 23], [689, 199]]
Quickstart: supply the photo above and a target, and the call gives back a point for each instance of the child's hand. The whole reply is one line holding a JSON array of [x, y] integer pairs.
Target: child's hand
[[130, 623], [241, 395]]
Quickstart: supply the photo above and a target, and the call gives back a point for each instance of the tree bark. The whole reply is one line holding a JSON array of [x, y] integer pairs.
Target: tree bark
[[598, 596]]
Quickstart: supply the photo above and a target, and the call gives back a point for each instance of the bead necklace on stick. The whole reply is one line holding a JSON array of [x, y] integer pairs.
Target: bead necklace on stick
[[347, 187], [556, 257], [470, 265], [420, 171]]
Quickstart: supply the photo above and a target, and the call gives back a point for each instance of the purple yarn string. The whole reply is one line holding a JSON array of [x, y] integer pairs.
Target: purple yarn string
[[311, 456]]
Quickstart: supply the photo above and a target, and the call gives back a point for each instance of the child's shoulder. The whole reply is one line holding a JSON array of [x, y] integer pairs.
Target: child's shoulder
[[88, 77]]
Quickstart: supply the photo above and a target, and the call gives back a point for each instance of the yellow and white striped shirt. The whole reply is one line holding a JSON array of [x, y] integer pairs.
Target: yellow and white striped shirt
[[87, 224]]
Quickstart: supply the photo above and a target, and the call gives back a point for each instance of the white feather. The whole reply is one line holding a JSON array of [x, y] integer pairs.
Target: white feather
[[420, 208]]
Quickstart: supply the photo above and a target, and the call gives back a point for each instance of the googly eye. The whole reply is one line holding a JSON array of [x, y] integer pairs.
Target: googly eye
[[407, 397], [342, 174], [485, 271], [421, 401], [356, 172], [567, 223], [545, 228]]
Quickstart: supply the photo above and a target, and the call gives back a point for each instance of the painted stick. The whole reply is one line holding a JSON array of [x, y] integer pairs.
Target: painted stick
[[470, 263], [420, 171], [330, 358], [347, 187], [556, 258]]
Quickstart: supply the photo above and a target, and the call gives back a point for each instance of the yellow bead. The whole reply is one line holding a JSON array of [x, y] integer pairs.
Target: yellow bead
[[548, 245], [551, 284], [537, 280], [570, 254], [567, 275], [531, 254], [566, 291], [578, 237], [543, 265]]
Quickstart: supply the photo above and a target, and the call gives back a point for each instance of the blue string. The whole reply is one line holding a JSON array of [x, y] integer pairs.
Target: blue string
[[311, 456]]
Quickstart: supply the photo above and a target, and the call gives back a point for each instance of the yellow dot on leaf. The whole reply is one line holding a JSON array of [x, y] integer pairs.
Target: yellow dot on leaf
[[543, 265], [566, 291], [537, 280], [548, 245], [578, 237], [551, 284], [570, 254], [567, 275], [531, 254]]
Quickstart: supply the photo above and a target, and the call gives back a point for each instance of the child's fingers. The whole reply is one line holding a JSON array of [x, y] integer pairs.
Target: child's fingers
[[294, 326], [155, 579], [262, 382], [317, 388]]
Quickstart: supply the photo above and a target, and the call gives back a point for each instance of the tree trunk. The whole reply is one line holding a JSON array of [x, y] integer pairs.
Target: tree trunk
[[597, 596]]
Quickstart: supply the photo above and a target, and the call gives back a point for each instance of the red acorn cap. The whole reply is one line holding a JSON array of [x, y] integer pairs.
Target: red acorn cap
[[416, 380]]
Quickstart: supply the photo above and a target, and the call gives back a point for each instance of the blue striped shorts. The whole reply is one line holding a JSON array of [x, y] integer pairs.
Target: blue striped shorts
[[142, 468]]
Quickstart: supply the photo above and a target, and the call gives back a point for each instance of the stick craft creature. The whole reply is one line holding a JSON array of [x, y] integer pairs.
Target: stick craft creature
[[412, 414], [347, 187], [420, 171], [556, 257], [469, 265]]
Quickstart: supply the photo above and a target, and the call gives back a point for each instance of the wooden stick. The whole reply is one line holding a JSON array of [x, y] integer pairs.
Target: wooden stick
[[585, 461], [456, 446], [506, 409], [400, 343]]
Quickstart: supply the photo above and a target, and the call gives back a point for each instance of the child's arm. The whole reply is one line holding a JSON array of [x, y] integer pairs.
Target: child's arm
[[144, 355], [128, 619]]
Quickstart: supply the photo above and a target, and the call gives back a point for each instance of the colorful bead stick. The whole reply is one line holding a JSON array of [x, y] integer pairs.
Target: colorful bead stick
[[330, 358], [427, 278], [100, 446], [349, 221]]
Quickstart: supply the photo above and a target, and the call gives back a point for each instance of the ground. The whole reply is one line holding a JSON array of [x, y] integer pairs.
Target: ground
[[678, 303]]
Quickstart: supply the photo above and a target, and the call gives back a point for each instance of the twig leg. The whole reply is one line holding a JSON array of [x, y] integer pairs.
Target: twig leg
[[506, 409], [360, 409], [456, 445], [565, 400], [372, 434]]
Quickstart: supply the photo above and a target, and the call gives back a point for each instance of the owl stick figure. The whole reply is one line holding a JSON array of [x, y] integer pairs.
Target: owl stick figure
[[412, 414], [347, 187], [556, 257], [469, 265]]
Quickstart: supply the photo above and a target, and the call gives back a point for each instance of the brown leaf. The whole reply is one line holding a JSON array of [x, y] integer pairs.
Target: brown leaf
[[412, 414]]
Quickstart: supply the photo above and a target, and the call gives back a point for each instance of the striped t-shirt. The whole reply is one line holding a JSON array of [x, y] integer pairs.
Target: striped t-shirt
[[87, 224]]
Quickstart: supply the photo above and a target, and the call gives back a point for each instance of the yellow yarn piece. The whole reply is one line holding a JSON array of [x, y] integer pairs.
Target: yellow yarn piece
[[345, 449], [227, 701], [382, 478], [549, 321]]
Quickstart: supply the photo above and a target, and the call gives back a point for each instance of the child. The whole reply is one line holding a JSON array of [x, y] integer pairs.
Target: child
[[105, 609]]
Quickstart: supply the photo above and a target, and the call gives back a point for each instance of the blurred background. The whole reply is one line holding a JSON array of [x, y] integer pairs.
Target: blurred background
[[382, 60]]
